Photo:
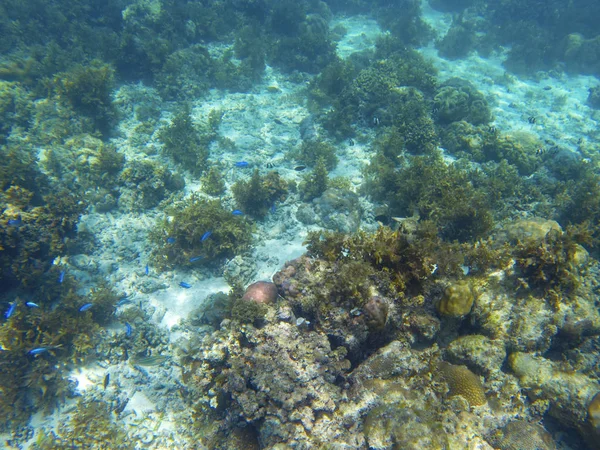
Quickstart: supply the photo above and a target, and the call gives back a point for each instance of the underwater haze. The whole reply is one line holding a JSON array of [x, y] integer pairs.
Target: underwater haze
[[300, 224]]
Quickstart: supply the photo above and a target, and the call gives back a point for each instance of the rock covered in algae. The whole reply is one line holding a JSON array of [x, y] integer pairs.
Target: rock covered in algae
[[567, 393], [457, 300], [533, 229], [479, 352], [463, 382]]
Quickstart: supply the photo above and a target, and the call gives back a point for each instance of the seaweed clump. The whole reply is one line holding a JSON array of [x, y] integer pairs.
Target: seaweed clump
[[31, 235], [552, 265], [90, 426], [212, 182], [312, 151], [187, 144], [440, 192], [147, 183], [316, 182], [257, 195], [179, 237], [457, 99], [88, 89], [41, 344]]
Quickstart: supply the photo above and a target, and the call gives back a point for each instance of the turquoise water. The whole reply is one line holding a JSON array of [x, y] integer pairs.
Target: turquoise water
[[299, 224]]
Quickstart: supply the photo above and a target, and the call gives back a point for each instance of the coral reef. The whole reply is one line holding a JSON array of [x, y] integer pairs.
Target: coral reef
[[390, 91], [292, 374], [16, 108], [312, 151], [91, 425]]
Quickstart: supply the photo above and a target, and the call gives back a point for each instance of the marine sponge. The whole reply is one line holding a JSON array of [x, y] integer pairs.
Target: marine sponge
[[457, 300], [463, 382]]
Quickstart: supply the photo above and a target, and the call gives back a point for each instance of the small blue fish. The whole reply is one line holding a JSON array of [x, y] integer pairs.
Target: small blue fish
[[32, 305], [205, 236], [61, 276], [241, 164], [37, 351], [170, 240], [15, 222], [273, 209], [128, 329], [237, 212], [195, 258], [146, 270], [123, 301], [86, 307], [10, 311], [185, 285]]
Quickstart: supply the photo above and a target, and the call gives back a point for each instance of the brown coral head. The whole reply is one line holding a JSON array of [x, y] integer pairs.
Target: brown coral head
[[263, 292]]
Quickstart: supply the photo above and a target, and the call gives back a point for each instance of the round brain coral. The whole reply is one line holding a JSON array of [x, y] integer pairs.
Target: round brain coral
[[462, 381]]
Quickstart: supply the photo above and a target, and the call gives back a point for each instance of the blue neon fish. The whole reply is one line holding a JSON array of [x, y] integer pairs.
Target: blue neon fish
[[237, 212], [123, 301], [10, 311], [37, 351], [195, 258], [15, 222], [241, 164], [86, 307], [185, 285], [170, 240], [146, 269], [128, 329], [205, 236], [32, 305]]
